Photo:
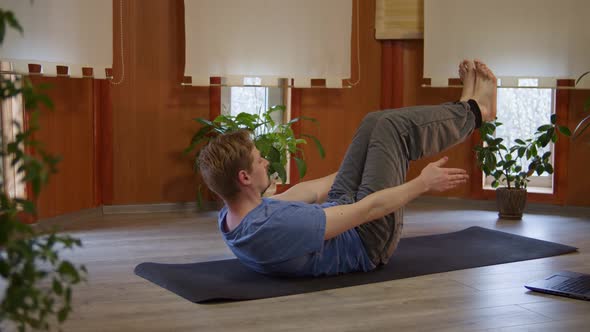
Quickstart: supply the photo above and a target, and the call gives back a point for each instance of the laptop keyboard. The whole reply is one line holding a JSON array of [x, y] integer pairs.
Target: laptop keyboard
[[580, 285]]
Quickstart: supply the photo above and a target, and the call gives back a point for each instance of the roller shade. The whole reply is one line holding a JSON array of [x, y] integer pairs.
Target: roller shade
[[72, 33], [269, 39], [399, 19], [544, 40]]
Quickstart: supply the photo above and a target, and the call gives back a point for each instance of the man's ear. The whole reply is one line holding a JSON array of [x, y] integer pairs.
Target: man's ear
[[243, 177]]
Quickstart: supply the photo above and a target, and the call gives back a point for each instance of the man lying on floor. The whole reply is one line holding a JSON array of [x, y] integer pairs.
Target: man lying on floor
[[351, 220]]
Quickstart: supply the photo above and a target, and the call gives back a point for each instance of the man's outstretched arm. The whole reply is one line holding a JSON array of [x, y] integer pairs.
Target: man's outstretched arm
[[313, 191], [341, 218]]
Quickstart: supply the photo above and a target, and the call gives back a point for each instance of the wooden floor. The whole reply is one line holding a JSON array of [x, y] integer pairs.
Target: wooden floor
[[489, 298]]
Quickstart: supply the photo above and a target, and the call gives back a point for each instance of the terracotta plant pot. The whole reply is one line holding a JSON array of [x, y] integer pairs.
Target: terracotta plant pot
[[511, 203]]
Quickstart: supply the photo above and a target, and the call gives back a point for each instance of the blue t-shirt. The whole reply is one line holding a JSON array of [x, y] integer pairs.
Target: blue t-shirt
[[287, 238]]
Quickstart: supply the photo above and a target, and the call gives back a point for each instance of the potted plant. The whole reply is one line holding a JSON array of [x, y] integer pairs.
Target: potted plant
[[36, 281], [276, 141], [512, 167]]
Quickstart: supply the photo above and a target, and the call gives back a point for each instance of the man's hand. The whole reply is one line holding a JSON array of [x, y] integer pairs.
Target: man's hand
[[437, 178]]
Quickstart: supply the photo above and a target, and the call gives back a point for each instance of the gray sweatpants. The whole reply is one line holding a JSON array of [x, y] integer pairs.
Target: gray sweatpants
[[379, 156]]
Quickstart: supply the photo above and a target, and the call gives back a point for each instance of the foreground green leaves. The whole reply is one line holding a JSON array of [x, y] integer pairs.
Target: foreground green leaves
[[38, 281]]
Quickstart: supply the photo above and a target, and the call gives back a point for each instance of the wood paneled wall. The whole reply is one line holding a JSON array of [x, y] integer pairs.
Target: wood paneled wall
[[152, 112], [68, 131], [578, 172], [122, 144], [149, 121]]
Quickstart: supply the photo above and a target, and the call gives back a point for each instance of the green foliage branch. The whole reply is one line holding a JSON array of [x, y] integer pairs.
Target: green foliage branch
[[38, 282], [276, 141], [505, 164]]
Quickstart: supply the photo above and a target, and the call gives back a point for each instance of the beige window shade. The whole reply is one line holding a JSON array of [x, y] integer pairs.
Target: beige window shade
[[541, 39], [399, 19], [73, 33], [302, 40]]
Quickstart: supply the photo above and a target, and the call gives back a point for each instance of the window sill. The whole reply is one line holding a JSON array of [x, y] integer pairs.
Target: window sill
[[536, 190]]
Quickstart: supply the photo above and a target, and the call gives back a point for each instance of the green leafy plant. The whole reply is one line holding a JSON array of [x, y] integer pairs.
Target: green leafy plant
[[38, 282], [505, 164], [275, 141], [585, 122]]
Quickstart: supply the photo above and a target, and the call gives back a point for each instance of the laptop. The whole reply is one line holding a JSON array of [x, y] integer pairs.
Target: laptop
[[564, 283]]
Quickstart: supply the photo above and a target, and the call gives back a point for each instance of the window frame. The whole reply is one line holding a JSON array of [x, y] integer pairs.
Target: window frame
[[542, 184]]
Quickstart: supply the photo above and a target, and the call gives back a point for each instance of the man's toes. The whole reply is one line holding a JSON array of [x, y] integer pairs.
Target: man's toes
[[481, 69], [489, 73]]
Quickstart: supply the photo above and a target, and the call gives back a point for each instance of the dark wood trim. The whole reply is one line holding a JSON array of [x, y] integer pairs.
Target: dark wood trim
[[560, 177], [103, 143], [97, 144], [34, 68], [214, 97], [387, 74], [62, 70], [392, 64], [397, 91]]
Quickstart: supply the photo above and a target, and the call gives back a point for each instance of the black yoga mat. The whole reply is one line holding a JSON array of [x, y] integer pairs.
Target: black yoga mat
[[228, 280]]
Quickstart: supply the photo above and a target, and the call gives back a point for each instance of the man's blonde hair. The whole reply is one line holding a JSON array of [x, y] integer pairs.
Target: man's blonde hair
[[222, 159]]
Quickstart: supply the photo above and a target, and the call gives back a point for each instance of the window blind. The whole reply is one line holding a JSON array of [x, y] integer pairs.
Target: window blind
[[72, 33], [541, 39], [269, 39]]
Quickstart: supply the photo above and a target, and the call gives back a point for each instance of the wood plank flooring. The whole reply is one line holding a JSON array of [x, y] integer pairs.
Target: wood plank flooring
[[482, 299]]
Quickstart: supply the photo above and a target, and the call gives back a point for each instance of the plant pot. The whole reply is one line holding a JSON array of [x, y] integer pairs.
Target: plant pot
[[510, 202]]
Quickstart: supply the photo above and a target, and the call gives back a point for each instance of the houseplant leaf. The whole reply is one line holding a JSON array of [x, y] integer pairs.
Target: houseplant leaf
[[280, 170], [565, 130], [301, 166], [317, 143]]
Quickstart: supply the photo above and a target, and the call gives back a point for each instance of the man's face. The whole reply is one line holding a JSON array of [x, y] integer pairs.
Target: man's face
[[259, 173]]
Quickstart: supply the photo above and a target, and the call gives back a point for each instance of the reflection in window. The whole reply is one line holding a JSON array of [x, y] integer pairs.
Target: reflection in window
[[253, 100], [521, 111]]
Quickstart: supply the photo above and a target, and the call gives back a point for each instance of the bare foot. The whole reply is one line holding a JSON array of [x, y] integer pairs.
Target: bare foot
[[467, 74], [486, 87]]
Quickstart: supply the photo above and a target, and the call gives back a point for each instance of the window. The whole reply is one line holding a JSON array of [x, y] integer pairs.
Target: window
[[521, 111], [251, 98], [254, 99], [12, 114]]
